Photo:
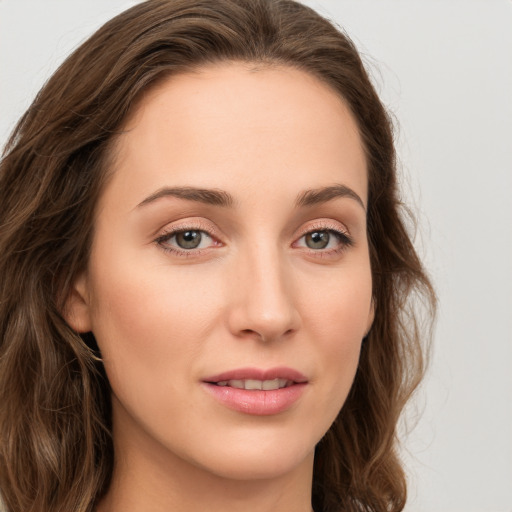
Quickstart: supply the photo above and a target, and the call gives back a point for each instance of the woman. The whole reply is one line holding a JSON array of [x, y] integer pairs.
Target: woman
[[206, 280]]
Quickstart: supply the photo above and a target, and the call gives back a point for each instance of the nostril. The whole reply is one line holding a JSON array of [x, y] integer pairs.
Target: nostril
[[265, 335]]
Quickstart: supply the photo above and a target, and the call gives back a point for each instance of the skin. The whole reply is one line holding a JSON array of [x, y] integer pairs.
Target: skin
[[255, 293]]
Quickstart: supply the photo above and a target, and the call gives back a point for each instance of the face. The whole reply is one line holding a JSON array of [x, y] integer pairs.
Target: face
[[229, 283]]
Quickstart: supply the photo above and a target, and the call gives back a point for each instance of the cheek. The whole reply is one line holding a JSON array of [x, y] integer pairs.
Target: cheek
[[339, 306], [149, 327], [337, 320]]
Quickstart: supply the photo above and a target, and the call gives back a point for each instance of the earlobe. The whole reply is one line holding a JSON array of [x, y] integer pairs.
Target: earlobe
[[77, 308]]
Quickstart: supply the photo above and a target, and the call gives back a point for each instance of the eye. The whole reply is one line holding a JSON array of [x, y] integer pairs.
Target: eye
[[191, 239], [325, 240], [318, 239], [186, 240]]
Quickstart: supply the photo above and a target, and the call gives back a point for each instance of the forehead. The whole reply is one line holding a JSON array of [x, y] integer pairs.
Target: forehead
[[231, 124]]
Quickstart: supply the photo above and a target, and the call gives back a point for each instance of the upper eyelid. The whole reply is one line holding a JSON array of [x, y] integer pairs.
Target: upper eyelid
[[327, 224], [199, 226], [192, 225]]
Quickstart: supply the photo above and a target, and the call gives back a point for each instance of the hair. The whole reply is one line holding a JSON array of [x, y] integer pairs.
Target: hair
[[56, 448]]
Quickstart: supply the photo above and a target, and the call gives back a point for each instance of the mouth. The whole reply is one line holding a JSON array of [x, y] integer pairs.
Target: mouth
[[254, 384], [258, 379], [257, 392]]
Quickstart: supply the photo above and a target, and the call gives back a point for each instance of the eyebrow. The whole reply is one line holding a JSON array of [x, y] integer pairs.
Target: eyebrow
[[211, 196], [324, 194], [217, 197]]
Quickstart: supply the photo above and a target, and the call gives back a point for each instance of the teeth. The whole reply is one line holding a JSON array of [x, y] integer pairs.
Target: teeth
[[239, 384], [274, 384], [265, 385], [252, 384]]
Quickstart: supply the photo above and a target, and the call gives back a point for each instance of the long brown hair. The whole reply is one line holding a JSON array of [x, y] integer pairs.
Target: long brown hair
[[56, 451]]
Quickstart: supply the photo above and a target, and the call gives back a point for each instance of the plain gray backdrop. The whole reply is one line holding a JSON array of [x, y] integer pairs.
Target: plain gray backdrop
[[444, 68]]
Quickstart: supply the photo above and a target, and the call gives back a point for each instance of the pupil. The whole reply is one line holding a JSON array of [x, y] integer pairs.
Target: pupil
[[188, 239], [318, 239]]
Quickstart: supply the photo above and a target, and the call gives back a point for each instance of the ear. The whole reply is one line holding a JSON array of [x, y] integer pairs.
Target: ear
[[77, 306]]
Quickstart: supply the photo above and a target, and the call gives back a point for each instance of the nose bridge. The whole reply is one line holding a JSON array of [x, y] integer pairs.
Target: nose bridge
[[263, 301]]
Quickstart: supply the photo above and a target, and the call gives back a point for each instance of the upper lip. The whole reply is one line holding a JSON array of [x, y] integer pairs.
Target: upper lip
[[281, 372]]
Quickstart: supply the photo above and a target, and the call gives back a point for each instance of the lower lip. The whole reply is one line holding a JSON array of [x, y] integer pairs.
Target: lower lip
[[257, 402]]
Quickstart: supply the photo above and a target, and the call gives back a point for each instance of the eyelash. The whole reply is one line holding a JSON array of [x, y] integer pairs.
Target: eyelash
[[345, 241]]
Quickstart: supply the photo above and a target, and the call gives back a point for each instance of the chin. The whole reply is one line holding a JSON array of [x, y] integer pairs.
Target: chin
[[262, 455], [259, 466]]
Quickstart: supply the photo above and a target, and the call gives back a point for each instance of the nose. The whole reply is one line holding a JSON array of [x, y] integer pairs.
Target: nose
[[263, 299]]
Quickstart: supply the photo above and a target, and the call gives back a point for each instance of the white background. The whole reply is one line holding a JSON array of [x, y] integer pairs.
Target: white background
[[445, 69]]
